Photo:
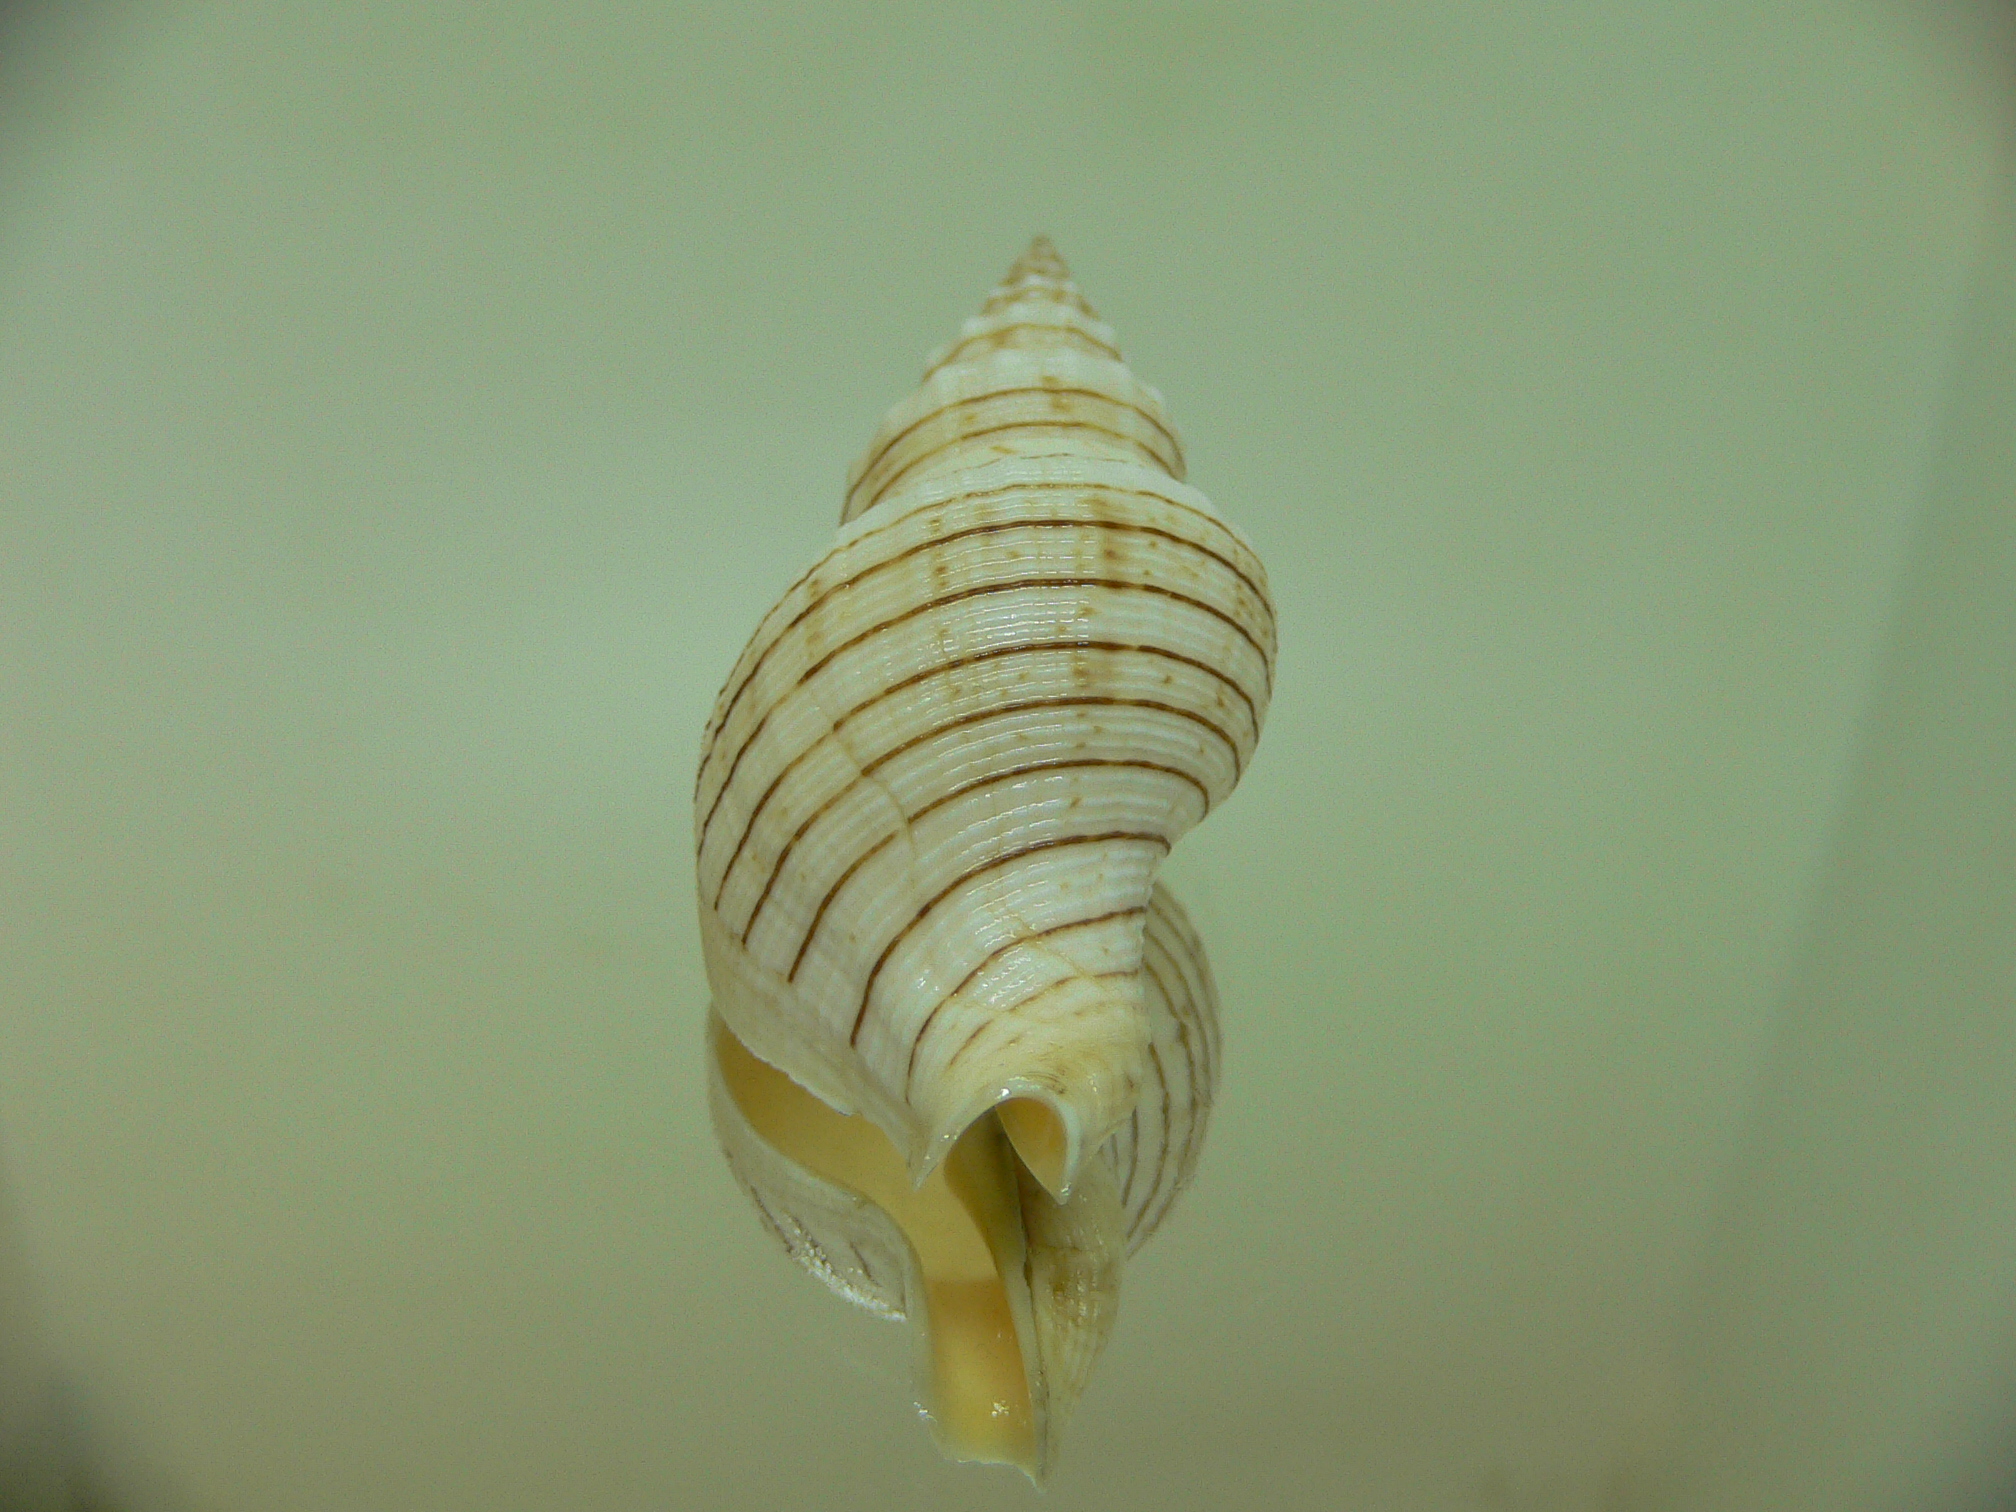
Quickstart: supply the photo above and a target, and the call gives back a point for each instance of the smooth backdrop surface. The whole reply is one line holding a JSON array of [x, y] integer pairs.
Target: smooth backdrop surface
[[405, 415]]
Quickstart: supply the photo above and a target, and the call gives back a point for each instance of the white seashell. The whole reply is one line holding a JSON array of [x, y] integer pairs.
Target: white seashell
[[931, 803]]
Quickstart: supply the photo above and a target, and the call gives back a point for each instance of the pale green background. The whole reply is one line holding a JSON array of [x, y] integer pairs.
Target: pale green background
[[406, 413]]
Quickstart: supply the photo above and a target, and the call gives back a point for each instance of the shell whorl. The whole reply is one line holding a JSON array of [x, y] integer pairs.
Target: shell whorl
[[938, 782]]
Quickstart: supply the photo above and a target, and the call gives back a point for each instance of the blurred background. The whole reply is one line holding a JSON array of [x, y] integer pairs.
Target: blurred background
[[406, 412]]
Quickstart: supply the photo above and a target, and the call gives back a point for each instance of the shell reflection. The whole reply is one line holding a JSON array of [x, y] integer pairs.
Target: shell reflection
[[963, 1045]]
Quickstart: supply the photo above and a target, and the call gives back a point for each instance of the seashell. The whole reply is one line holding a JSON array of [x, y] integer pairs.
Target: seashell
[[963, 1045]]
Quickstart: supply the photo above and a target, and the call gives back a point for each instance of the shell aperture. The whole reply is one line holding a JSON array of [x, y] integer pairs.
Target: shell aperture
[[963, 1045]]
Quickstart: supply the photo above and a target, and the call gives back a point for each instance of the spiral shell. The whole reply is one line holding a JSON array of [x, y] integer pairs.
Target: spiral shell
[[931, 803]]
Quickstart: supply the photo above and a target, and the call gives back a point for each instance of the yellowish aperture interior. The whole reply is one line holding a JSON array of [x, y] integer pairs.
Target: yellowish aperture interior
[[965, 1225], [1038, 1136]]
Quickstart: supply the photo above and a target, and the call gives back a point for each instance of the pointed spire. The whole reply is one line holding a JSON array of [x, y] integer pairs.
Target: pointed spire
[[1039, 273], [995, 390], [1040, 261]]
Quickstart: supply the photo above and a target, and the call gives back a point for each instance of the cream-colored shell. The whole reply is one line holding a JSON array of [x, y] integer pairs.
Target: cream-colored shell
[[938, 782]]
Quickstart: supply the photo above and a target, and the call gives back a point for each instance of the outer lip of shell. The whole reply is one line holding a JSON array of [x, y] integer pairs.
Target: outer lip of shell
[[1045, 1129], [1059, 1090]]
